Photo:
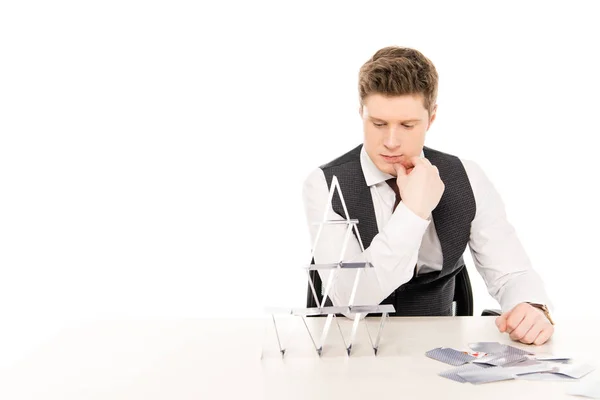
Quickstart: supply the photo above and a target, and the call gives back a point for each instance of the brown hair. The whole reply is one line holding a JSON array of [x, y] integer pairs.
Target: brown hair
[[397, 71]]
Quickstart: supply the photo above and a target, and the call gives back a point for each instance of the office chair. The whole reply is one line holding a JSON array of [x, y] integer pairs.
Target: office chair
[[463, 295]]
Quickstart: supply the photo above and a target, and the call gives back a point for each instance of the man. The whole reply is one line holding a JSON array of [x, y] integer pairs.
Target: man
[[418, 209]]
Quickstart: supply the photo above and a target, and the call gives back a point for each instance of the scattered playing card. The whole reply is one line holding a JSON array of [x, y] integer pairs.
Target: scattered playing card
[[524, 363], [485, 360], [449, 356], [476, 354], [576, 371], [453, 373], [516, 350], [544, 376], [486, 375], [550, 357], [488, 347], [497, 348], [500, 360], [493, 362], [526, 368]]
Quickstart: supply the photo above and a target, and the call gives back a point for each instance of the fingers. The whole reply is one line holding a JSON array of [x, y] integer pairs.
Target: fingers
[[501, 322], [419, 161], [544, 335], [524, 326], [514, 318], [400, 170], [425, 162], [533, 333]]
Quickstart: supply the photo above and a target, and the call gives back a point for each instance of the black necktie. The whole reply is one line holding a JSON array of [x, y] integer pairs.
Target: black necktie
[[394, 185]]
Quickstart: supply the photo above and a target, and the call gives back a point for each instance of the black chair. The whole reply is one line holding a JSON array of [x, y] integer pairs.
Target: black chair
[[463, 295], [310, 298]]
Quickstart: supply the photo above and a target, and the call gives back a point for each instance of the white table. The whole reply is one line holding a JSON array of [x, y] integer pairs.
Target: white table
[[221, 359]]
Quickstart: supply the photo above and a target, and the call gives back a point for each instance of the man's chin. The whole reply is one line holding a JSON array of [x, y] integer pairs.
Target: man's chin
[[387, 168]]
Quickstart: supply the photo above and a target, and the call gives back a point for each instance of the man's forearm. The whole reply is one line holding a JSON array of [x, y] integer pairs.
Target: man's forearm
[[521, 287]]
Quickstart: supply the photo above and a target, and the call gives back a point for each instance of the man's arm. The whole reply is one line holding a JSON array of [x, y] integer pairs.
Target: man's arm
[[393, 251], [504, 265], [497, 251]]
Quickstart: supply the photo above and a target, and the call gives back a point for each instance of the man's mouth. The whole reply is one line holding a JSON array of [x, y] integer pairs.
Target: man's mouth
[[391, 159]]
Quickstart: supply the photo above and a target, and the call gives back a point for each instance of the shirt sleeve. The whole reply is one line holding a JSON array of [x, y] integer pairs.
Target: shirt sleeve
[[496, 249], [393, 251]]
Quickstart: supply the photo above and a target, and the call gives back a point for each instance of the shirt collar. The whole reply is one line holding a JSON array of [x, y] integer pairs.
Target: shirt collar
[[373, 175]]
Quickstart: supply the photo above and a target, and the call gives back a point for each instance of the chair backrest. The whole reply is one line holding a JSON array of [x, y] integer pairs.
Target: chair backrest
[[316, 280], [463, 293]]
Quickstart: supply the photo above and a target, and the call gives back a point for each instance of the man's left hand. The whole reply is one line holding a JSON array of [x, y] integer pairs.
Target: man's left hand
[[526, 324]]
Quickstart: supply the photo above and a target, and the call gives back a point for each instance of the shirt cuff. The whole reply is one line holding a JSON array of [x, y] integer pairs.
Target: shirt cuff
[[406, 227]]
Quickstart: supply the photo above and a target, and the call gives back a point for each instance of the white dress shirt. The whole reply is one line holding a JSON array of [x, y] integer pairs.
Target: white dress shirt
[[405, 239]]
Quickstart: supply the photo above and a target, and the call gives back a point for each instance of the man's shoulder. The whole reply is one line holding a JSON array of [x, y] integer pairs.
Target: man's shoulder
[[351, 156]]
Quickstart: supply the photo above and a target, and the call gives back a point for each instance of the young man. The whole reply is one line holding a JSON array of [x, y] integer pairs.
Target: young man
[[418, 209]]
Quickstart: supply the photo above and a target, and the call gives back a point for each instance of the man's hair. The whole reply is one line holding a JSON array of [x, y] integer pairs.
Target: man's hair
[[397, 71]]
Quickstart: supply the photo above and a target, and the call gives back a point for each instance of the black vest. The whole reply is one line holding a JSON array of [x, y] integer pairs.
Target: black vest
[[429, 294]]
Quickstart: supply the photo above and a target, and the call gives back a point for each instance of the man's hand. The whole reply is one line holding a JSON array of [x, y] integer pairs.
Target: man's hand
[[526, 324], [420, 186]]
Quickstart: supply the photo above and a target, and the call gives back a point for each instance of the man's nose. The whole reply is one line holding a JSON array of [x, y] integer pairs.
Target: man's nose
[[391, 140]]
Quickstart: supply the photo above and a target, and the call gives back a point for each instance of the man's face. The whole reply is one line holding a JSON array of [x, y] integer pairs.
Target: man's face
[[394, 129]]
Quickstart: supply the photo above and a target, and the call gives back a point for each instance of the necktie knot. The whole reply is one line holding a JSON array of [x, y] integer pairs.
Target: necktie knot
[[394, 185]]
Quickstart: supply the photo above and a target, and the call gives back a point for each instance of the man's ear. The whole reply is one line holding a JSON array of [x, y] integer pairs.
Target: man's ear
[[360, 110], [432, 117]]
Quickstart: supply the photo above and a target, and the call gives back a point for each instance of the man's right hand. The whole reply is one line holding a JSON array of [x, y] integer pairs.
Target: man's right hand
[[420, 186]]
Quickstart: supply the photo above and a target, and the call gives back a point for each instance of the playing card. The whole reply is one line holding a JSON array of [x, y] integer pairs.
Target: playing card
[[488, 347], [453, 373], [544, 376], [550, 357], [449, 356], [507, 359], [477, 354], [497, 348], [524, 363], [576, 371], [485, 360], [500, 360], [526, 368], [486, 375], [515, 350]]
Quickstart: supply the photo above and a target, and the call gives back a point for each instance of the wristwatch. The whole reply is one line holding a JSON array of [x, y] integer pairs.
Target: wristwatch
[[544, 308]]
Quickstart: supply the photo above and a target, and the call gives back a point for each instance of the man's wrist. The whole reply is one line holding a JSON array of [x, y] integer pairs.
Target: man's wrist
[[544, 309], [419, 213]]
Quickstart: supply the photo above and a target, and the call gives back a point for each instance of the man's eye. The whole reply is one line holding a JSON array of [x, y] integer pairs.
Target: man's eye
[[378, 124], [408, 126]]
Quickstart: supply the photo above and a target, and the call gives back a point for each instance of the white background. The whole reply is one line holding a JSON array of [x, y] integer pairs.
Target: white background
[[152, 154]]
